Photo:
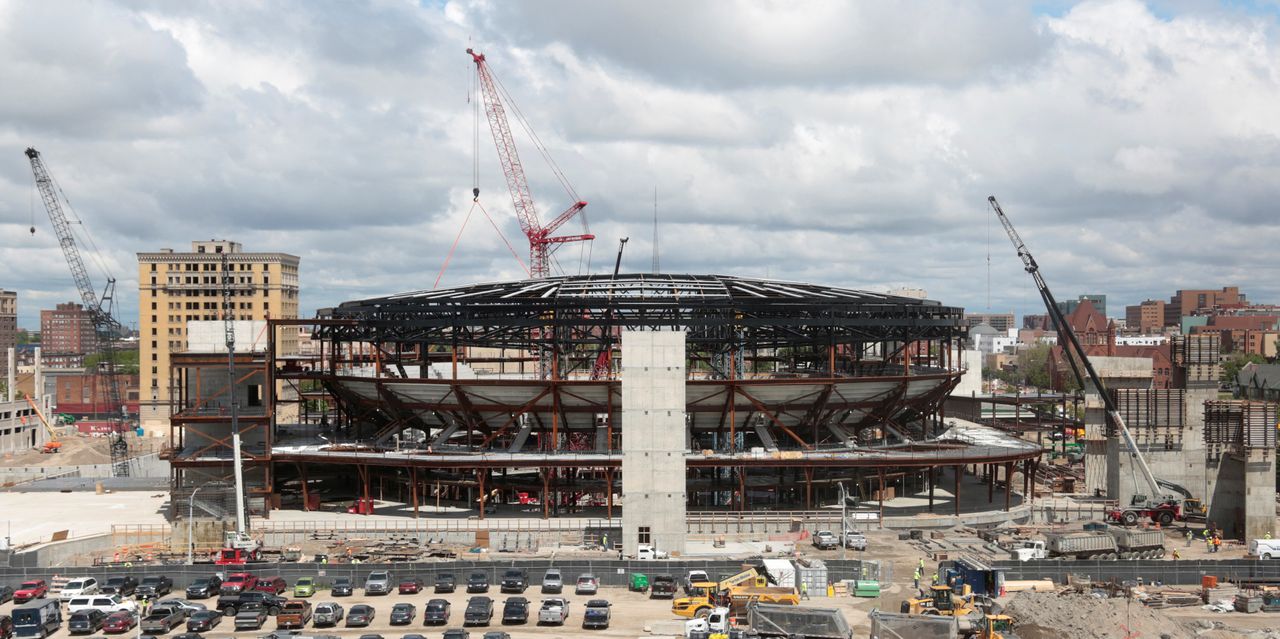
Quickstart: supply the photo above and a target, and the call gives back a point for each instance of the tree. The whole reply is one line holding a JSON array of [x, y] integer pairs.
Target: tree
[[1236, 361], [126, 361]]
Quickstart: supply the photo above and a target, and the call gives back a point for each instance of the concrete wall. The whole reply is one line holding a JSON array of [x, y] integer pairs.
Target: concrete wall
[[971, 382], [653, 443], [1187, 467]]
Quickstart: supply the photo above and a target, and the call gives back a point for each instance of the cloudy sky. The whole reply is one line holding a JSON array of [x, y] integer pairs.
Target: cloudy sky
[[1135, 146]]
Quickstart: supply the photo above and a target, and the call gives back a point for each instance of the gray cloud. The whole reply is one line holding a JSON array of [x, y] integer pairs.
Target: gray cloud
[[851, 144]]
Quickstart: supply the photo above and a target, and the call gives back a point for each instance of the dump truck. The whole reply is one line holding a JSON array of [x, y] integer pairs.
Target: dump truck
[[1074, 545], [890, 624], [767, 620], [1138, 544]]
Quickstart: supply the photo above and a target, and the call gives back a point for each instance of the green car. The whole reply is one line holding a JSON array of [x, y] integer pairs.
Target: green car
[[304, 587]]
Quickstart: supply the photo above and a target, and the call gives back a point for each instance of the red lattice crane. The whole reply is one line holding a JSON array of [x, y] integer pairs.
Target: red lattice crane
[[540, 237]]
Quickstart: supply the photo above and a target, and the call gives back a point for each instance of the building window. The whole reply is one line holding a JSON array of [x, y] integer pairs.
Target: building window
[[645, 537]]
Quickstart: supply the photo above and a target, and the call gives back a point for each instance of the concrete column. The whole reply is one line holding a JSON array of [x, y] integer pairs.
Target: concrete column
[[653, 439], [1259, 494], [38, 382], [12, 376]]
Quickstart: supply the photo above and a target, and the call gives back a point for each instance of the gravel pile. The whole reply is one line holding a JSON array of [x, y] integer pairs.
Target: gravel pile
[[1074, 616]]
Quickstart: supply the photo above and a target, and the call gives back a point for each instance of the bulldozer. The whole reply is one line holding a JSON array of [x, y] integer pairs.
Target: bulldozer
[[994, 627], [941, 601]]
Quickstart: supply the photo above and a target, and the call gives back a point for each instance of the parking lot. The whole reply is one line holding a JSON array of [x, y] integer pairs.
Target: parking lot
[[631, 613]]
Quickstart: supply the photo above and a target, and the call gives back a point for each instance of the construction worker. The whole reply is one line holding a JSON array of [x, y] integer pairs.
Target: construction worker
[[1217, 544], [804, 590], [604, 541], [1267, 535], [921, 566], [1190, 536], [934, 579]]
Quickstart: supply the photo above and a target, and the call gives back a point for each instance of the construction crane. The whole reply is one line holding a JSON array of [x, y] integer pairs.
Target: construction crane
[[53, 445], [604, 361], [1162, 491], [100, 309], [541, 240]]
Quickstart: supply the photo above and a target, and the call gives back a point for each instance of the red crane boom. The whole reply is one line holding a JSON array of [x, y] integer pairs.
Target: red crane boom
[[540, 237]]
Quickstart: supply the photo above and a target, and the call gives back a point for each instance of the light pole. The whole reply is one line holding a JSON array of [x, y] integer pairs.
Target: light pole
[[191, 513]]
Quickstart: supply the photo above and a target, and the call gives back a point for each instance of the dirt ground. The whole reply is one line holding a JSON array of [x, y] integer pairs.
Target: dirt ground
[[80, 450]]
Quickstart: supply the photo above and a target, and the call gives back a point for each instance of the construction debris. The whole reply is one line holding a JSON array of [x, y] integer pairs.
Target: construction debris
[[1089, 616]]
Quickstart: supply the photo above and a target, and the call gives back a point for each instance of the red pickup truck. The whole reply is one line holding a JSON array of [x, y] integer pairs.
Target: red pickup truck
[[34, 589], [239, 582]]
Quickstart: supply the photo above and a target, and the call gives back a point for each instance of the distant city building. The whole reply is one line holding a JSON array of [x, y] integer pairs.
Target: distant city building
[[66, 335], [914, 293], [1255, 334], [8, 326], [1189, 301], [1099, 302], [1146, 317], [1000, 321], [175, 288], [1098, 338], [1141, 340], [1037, 322]]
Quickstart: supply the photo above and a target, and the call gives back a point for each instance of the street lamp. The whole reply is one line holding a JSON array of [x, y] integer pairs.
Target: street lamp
[[191, 513]]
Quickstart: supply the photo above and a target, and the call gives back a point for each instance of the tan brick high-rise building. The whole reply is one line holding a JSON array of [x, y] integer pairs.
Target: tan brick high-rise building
[[1145, 318], [175, 288], [8, 327]]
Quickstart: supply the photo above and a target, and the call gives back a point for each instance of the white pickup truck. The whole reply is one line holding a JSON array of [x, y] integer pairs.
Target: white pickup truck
[[554, 611], [715, 623]]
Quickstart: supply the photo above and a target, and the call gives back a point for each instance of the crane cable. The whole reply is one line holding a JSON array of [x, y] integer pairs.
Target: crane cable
[[504, 238], [455, 245]]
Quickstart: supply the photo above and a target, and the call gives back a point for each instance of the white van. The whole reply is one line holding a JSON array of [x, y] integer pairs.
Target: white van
[[106, 603], [79, 587], [1265, 548]]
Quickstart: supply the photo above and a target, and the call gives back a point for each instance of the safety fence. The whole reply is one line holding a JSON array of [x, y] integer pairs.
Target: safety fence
[[1180, 572]]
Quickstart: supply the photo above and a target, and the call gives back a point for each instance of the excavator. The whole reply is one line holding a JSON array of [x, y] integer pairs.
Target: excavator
[[53, 445], [735, 592]]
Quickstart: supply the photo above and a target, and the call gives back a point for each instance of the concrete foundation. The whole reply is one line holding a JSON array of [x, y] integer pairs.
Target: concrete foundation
[[653, 442]]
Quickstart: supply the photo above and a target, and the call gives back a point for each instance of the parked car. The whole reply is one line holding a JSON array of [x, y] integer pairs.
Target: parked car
[[304, 587], [123, 586], [552, 582], [587, 585], [825, 540], [120, 622], [695, 577], [6, 593], [515, 610], [662, 587], [190, 607], [410, 585], [378, 583], [341, 587], [360, 616], [154, 586], [204, 620], [327, 614], [402, 614], [33, 589], [479, 612], [855, 540], [106, 603], [514, 580], [446, 582], [251, 618], [86, 622], [436, 611], [162, 620], [554, 611], [413, 636], [477, 582], [79, 587], [596, 614], [273, 585], [37, 619], [456, 634], [238, 582], [496, 634], [204, 587]]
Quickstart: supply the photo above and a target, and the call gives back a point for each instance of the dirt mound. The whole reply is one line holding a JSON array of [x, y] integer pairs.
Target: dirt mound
[[1075, 616]]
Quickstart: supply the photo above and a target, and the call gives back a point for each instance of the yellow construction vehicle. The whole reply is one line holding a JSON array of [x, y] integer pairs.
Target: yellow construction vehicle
[[735, 592], [994, 627], [53, 445], [941, 601]]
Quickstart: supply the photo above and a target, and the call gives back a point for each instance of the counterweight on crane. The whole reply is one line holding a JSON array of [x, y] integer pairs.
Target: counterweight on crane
[[1163, 493], [540, 237], [105, 327]]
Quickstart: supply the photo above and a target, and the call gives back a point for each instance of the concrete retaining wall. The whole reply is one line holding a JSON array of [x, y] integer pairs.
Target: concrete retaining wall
[[61, 553], [1182, 572]]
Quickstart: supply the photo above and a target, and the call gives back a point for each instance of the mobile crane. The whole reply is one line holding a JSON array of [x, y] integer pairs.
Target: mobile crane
[[105, 326], [1166, 499]]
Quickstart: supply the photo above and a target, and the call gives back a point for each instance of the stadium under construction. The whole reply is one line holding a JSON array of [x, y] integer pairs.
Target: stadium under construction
[[674, 393]]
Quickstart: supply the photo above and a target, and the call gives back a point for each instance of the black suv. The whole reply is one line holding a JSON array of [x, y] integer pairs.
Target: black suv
[[478, 582], [204, 587], [446, 582], [154, 586], [437, 611], [123, 586], [231, 604], [515, 580], [86, 621], [341, 587]]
